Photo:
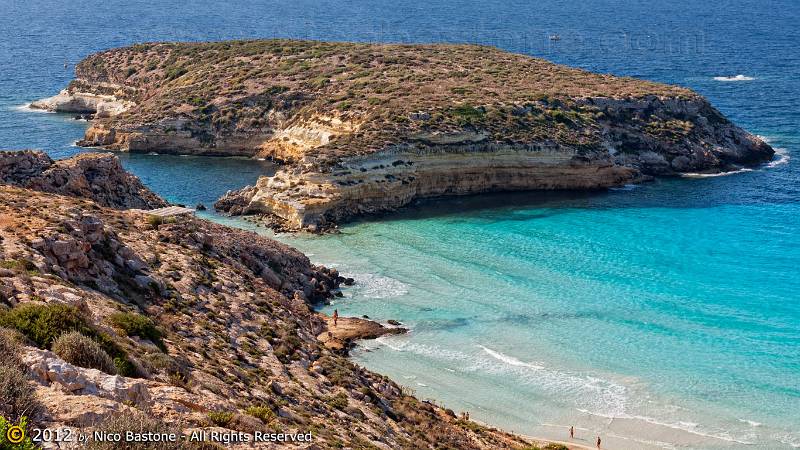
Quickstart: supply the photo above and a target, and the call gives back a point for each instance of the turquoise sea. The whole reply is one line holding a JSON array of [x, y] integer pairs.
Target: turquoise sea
[[664, 315]]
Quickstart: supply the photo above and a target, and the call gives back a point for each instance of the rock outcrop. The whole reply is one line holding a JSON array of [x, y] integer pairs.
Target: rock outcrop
[[341, 335], [97, 176], [363, 128], [49, 370], [82, 103]]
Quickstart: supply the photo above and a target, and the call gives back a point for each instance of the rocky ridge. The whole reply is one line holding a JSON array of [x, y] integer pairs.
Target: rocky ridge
[[364, 128], [233, 343], [96, 176]]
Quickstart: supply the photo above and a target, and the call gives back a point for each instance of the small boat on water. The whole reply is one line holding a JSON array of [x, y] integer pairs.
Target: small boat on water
[[554, 37]]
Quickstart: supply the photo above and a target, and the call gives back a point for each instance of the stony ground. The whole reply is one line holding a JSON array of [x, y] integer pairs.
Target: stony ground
[[236, 345]]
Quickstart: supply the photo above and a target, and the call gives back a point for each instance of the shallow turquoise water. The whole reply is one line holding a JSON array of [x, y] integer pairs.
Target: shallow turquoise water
[[654, 303], [664, 315]]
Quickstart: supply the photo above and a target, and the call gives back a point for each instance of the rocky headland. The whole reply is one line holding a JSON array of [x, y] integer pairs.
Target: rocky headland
[[113, 321], [95, 176], [365, 128]]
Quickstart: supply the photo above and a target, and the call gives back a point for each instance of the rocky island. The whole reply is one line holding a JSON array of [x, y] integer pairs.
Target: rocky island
[[112, 320], [364, 128]]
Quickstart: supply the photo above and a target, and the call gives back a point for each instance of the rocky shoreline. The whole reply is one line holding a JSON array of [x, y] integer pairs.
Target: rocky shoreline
[[209, 327], [361, 128]]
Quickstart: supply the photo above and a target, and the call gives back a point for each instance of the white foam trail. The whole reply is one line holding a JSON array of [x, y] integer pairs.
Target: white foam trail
[[510, 359], [627, 187], [739, 77]]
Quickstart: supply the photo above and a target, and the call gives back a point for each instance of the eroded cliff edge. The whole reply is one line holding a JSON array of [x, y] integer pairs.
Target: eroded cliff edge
[[112, 322], [362, 128]]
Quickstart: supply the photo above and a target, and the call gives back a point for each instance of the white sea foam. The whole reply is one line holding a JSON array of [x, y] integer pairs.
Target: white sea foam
[[713, 175], [792, 440], [27, 108], [688, 427], [591, 392], [735, 78], [377, 286], [752, 423], [627, 187], [781, 157]]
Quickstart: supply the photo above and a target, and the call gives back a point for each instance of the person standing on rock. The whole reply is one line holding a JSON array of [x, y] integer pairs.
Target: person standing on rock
[[335, 317]]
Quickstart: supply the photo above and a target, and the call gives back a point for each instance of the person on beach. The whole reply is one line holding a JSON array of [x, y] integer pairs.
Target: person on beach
[[335, 317], [572, 432], [598, 441]]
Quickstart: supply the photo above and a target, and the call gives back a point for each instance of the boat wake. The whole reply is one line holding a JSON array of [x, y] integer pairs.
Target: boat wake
[[735, 78]]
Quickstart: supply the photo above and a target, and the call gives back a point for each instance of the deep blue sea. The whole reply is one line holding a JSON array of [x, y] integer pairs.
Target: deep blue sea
[[665, 315]]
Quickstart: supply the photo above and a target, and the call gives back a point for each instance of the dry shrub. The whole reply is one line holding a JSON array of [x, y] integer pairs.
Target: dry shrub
[[82, 351]]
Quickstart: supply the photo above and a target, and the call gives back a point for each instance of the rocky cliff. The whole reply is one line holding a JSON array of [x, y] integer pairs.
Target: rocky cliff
[[186, 325], [96, 176], [362, 128]]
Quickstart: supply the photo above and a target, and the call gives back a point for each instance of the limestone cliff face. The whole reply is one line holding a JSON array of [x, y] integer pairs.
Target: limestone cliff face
[[99, 99], [362, 128], [91, 175], [388, 180], [469, 162]]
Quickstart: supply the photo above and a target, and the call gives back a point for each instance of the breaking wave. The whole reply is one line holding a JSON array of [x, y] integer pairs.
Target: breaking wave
[[739, 77]]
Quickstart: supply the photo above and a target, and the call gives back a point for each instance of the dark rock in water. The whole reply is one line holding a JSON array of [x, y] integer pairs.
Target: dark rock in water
[[393, 322], [200, 207], [349, 281], [365, 316], [339, 294]]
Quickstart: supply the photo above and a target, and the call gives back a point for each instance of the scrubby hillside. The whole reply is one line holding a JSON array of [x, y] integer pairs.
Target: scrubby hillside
[[363, 128], [110, 320]]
